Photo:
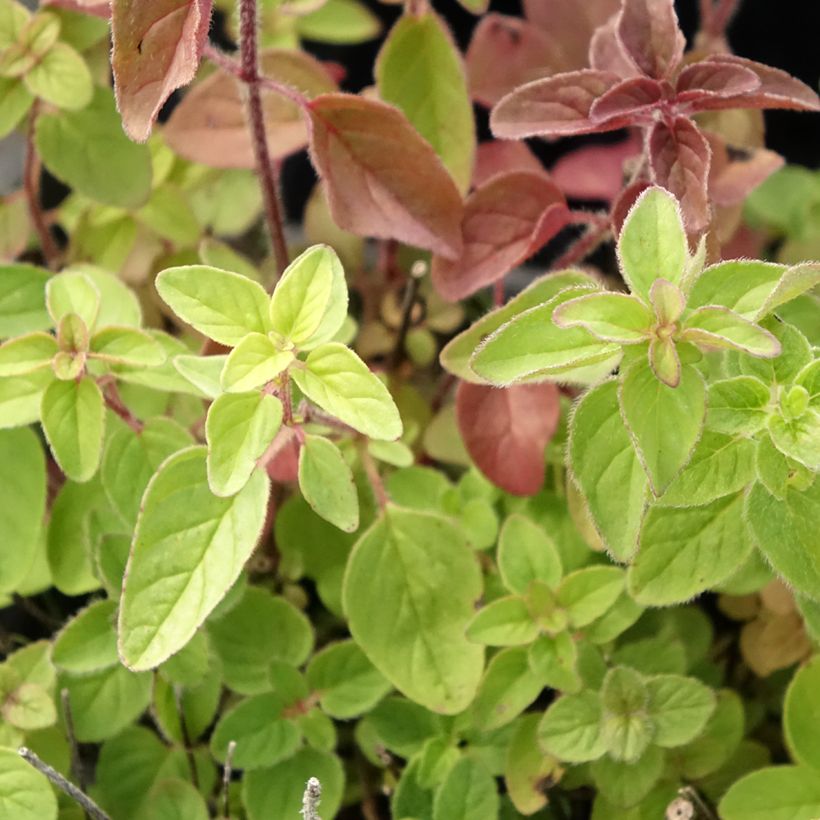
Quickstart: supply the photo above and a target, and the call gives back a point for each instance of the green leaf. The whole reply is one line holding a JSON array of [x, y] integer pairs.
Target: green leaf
[[188, 549], [246, 651], [131, 458], [21, 397], [73, 417], [720, 738], [686, 551], [798, 438], [503, 622], [347, 683], [420, 70], [664, 422], [786, 533], [716, 327], [263, 736], [72, 292], [613, 317], [22, 299], [508, 687], [720, 466], [571, 728], [239, 428], [23, 489], [61, 78], [172, 799], [652, 244], [800, 710], [456, 354], [25, 794], [554, 661], [737, 406], [88, 151], [774, 793], [126, 345], [627, 784], [25, 354], [327, 483], [587, 593], [336, 379], [222, 305], [340, 21], [532, 345], [607, 469], [253, 362], [277, 791], [627, 727], [525, 554], [411, 625], [526, 768], [88, 642], [796, 354], [309, 303], [15, 102], [680, 709], [204, 372], [468, 792]]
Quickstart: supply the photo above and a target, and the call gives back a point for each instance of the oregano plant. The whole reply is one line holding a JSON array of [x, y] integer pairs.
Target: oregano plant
[[479, 484]]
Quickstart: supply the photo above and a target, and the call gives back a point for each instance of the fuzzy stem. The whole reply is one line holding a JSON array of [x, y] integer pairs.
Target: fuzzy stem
[[31, 183], [248, 26], [411, 290], [227, 773], [114, 402], [311, 799], [77, 795], [186, 737], [373, 476]]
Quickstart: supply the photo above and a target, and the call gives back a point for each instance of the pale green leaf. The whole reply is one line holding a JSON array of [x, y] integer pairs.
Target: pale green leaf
[[126, 345], [627, 727], [255, 361], [587, 593], [525, 554], [72, 292], [25, 794], [680, 708], [222, 305], [342, 22], [664, 422], [737, 406], [503, 622], [468, 792], [338, 381], [613, 317], [326, 482], [15, 102], [22, 298], [774, 793], [627, 784], [173, 799], [88, 642], [571, 728], [188, 549], [717, 327], [25, 354], [800, 714], [411, 624], [239, 428], [309, 303], [203, 372], [798, 438], [61, 78], [686, 551], [73, 417], [652, 244], [554, 661]]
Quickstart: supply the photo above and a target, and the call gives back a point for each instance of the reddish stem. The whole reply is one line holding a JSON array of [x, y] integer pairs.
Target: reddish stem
[[723, 14], [114, 402], [584, 245], [31, 182], [373, 476], [248, 25], [498, 292]]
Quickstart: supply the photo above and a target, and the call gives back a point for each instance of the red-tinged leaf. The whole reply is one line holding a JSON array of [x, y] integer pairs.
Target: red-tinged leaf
[[283, 465], [630, 98], [555, 106], [570, 25], [680, 158], [502, 156], [595, 171], [705, 80], [623, 203], [505, 221], [157, 46], [210, 126], [607, 52], [651, 35], [777, 89], [745, 244], [504, 53], [381, 177], [506, 430], [736, 172]]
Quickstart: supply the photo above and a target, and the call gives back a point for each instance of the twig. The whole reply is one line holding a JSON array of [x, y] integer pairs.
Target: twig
[[31, 183], [373, 476], [77, 795], [186, 738], [311, 799], [411, 291], [77, 768], [29, 606], [227, 773], [114, 402], [248, 29]]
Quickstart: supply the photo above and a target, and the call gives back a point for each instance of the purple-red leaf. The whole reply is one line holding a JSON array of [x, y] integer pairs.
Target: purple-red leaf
[[555, 106], [704, 80], [381, 177], [607, 52], [777, 89], [629, 98], [506, 430], [210, 125], [595, 171], [500, 157], [680, 158], [651, 35], [505, 221], [505, 52], [157, 46]]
